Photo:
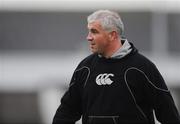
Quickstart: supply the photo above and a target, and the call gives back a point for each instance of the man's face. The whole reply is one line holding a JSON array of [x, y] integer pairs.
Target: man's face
[[98, 38]]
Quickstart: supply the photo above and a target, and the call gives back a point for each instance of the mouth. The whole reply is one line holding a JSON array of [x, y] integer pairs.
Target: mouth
[[92, 45]]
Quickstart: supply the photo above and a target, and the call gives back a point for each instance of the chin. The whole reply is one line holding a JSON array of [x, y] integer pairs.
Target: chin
[[93, 51]]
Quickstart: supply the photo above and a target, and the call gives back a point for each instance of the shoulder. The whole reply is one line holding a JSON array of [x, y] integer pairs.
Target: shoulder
[[144, 64], [148, 66], [84, 68], [88, 61], [142, 60]]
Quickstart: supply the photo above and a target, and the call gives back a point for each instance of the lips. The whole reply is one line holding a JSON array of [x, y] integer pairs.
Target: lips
[[92, 45]]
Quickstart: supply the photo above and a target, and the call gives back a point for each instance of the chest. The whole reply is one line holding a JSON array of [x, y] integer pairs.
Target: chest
[[109, 81]]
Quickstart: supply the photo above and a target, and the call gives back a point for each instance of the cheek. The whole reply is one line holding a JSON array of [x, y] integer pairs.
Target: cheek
[[100, 40], [103, 41], [99, 43]]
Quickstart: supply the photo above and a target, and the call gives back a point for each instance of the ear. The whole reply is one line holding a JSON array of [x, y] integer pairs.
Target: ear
[[113, 35]]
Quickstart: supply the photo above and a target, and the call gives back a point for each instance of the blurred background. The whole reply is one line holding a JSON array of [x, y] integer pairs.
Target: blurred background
[[42, 41]]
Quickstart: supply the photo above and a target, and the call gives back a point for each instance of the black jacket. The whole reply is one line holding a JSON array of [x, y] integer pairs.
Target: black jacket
[[117, 91]]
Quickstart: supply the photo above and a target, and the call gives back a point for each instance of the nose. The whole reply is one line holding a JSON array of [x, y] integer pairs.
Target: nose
[[89, 37]]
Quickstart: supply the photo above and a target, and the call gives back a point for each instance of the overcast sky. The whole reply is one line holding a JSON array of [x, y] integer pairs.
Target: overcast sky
[[86, 5]]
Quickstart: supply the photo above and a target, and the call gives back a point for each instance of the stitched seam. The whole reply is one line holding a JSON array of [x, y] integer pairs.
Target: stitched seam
[[146, 78], [114, 120], [133, 95], [111, 117], [125, 78], [87, 75], [103, 116]]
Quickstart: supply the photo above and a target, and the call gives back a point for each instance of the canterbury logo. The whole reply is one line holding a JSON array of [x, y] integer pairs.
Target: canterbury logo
[[103, 79]]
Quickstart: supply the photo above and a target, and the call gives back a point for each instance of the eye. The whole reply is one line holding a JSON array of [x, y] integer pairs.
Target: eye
[[94, 31]]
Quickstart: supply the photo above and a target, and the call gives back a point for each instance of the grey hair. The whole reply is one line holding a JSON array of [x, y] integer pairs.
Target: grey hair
[[109, 20]]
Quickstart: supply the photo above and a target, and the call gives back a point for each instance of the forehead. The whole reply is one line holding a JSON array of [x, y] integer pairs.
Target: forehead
[[94, 25]]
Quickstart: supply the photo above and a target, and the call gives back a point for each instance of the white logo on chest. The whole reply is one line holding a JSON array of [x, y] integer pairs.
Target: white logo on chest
[[103, 79]]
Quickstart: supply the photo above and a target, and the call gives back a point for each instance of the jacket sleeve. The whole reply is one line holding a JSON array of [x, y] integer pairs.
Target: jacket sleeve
[[162, 101], [69, 110]]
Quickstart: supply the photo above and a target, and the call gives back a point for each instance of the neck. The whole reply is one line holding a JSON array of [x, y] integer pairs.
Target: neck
[[112, 48]]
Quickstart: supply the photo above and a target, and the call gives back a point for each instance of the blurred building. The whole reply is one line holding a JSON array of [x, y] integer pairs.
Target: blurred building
[[41, 44]]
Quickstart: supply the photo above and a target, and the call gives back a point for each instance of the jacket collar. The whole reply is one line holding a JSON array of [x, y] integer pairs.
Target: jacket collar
[[122, 51]]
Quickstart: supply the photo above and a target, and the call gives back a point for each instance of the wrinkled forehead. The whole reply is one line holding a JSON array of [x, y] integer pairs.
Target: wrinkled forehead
[[95, 25]]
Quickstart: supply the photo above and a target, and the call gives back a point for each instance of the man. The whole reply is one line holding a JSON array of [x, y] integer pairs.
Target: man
[[116, 84]]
